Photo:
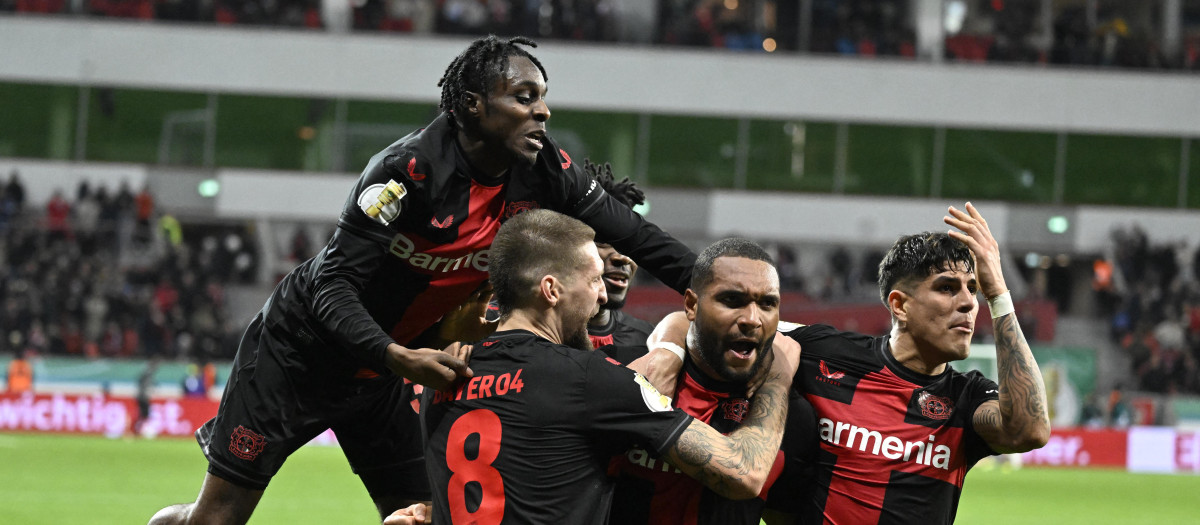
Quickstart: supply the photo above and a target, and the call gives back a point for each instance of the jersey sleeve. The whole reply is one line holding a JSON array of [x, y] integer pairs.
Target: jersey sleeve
[[380, 196], [979, 390], [354, 254], [656, 251], [345, 267], [626, 409]]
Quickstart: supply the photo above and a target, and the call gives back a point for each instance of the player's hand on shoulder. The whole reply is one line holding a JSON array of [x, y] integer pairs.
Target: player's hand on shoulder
[[460, 350], [426, 366], [415, 514], [661, 366]]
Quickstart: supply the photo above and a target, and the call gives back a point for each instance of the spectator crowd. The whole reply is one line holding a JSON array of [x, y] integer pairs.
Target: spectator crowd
[[109, 275], [1152, 296], [1114, 34]]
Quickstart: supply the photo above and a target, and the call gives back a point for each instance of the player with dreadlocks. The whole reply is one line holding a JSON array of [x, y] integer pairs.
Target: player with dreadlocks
[[338, 344]]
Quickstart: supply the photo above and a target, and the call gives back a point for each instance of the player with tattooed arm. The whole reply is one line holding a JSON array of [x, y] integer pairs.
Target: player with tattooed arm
[[898, 427], [528, 438]]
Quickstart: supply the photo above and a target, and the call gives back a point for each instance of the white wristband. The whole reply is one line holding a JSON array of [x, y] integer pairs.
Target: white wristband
[[1001, 305], [671, 347]]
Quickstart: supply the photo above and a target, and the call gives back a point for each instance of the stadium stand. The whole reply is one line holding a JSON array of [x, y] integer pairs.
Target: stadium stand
[[108, 276], [1122, 34]]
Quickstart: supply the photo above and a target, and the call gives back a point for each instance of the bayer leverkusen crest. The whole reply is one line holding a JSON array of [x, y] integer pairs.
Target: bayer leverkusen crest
[[935, 407], [246, 444]]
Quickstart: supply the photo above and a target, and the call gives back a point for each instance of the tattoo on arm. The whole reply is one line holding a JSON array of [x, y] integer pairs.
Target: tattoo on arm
[[1020, 419], [735, 466]]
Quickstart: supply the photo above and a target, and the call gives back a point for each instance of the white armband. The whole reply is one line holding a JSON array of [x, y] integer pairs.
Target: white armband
[[1001, 305], [671, 347]]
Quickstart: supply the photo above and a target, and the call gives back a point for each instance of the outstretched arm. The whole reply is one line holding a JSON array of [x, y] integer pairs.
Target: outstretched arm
[[1019, 420], [737, 466]]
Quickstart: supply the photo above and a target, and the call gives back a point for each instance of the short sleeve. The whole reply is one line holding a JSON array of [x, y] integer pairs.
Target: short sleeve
[[977, 391], [627, 410]]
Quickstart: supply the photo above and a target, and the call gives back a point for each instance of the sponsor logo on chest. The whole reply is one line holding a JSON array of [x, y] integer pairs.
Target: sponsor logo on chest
[[438, 258], [927, 452]]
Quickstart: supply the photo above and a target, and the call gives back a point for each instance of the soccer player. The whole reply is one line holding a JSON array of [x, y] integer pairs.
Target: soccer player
[[899, 427], [527, 439], [614, 332], [332, 346], [733, 309]]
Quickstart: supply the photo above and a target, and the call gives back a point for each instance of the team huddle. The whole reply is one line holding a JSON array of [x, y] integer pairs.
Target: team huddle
[[560, 408]]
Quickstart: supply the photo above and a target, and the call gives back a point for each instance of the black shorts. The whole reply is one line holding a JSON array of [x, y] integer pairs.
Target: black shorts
[[277, 399]]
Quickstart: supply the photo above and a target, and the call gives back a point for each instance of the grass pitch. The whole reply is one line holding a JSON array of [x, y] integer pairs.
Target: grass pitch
[[74, 479]]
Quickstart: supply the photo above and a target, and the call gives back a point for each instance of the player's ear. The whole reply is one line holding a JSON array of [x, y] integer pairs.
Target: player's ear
[[690, 299], [897, 303], [549, 289], [473, 103]]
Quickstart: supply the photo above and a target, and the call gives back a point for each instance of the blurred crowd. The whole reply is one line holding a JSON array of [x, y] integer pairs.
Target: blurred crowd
[[1109, 34], [1152, 295], [108, 275]]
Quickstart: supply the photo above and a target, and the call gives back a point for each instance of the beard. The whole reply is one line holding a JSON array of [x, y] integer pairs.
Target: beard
[[713, 352], [579, 339]]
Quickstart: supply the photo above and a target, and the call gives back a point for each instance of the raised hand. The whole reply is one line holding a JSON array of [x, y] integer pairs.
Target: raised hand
[[978, 237]]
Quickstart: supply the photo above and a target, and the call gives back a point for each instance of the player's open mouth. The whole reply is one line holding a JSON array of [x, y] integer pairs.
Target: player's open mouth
[[617, 279], [743, 349], [535, 139]]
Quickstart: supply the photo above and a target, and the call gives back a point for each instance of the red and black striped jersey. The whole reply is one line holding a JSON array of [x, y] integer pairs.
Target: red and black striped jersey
[[651, 491], [623, 338], [895, 445], [528, 438], [413, 240]]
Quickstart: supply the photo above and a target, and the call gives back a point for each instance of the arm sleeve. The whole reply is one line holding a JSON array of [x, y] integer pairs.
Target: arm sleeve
[[626, 409], [615, 223], [347, 265], [979, 390], [353, 256]]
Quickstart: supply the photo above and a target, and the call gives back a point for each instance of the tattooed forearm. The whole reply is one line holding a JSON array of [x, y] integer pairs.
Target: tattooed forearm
[[736, 466], [1020, 420]]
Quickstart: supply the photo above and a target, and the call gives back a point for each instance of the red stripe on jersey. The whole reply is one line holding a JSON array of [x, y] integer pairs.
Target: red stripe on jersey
[[448, 289], [697, 400], [871, 440], [601, 340]]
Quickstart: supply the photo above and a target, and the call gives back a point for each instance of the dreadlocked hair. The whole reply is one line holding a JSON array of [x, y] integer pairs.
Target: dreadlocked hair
[[625, 191], [478, 68]]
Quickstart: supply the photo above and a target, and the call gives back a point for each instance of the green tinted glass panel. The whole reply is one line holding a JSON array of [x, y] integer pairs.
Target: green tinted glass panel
[[373, 125], [602, 137], [274, 132], [38, 120], [791, 156], [889, 160], [1125, 171], [999, 165], [134, 125], [1193, 187], [692, 151]]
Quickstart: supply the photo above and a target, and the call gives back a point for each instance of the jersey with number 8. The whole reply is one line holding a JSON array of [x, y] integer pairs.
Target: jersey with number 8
[[533, 447]]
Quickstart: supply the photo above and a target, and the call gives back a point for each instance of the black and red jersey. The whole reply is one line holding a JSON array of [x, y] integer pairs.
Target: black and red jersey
[[416, 230], [895, 445], [528, 438], [651, 491], [623, 338]]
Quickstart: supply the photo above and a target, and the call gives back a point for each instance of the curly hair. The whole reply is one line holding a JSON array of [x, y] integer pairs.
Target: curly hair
[[478, 68], [625, 190]]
